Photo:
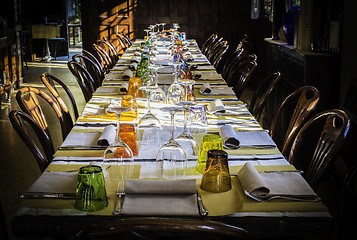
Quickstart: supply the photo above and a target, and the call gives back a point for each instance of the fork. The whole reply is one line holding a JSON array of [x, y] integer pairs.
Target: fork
[[316, 199], [120, 194]]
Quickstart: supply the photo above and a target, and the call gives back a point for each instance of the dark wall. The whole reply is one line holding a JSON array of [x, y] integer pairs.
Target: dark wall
[[198, 18]]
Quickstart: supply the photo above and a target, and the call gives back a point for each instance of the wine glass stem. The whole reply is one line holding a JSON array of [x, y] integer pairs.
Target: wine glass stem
[[185, 121], [148, 100], [172, 124], [117, 137]]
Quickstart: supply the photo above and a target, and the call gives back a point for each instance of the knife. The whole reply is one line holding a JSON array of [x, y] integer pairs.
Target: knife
[[39, 195], [82, 147], [202, 210]]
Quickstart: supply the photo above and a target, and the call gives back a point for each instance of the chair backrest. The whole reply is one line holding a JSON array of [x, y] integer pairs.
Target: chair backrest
[[237, 66], [95, 70], [28, 102], [217, 53], [208, 42], [262, 93], [110, 49], [231, 61], [83, 78], [162, 228], [241, 76], [18, 119], [303, 100], [49, 81], [213, 46], [125, 38], [94, 60], [104, 57], [332, 126]]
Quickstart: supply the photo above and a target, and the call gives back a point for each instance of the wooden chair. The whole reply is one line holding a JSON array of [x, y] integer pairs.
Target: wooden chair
[[303, 100], [95, 61], [210, 50], [218, 53], [231, 62], [312, 152], [162, 228], [237, 67], [208, 43], [94, 70], [27, 99], [104, 57], [126, 39], [262, 93], [241, 76], [18, 119], [83, 78], [49, 81], [110, 49]]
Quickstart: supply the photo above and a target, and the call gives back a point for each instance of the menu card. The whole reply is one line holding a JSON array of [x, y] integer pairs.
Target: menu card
[[262, 186]]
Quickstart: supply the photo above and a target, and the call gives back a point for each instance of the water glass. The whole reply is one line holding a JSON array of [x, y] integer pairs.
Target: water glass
[[91, 194], [127, 135], [216, 177], [209, 142], [198, 116], [130, 102], [134, 85]]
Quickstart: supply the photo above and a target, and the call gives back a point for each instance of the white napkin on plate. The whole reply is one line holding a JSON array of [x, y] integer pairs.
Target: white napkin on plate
[[88, 139], [216, 107], [128, 73], [135, 59], [264, 185], [205, 88], [124, 87], [133, 66], [108, 136], [229, 137], [160, 197], [55, 182], [255, 138]]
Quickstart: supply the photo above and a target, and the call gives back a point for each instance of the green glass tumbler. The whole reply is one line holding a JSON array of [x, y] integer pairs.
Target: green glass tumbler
[[91, 194], [209, 142]]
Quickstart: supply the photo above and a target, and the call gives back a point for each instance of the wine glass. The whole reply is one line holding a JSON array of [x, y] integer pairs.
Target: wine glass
[[171, 159], [117, 155], [185, 136], [149, 126], [151, 79], [175, 92]]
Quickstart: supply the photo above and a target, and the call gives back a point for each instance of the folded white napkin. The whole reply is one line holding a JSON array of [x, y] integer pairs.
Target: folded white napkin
[[128, 73], [88, 139], [265, 185], [229, 137], [55, 182], [133, 66], [124, 87], [135, 59], [160, 197], [108, 136], [205, 88], [254, 138], [216, 107]]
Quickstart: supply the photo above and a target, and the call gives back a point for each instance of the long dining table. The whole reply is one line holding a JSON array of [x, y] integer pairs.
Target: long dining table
[[279, 217]]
